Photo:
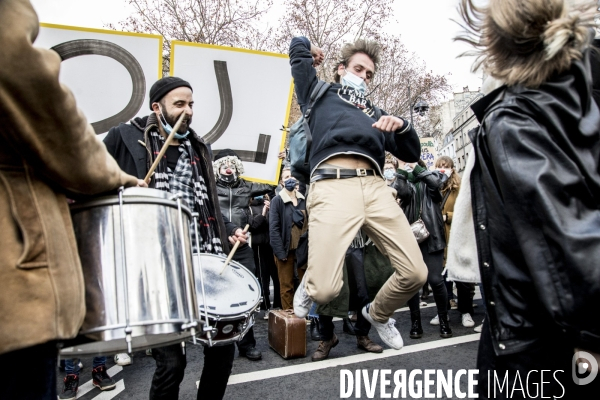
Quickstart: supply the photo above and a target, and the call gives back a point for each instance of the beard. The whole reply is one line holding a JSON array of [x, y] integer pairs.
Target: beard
[[172, 120]]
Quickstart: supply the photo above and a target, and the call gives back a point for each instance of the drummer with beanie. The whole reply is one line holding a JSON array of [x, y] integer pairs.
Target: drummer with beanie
[[186, 169]]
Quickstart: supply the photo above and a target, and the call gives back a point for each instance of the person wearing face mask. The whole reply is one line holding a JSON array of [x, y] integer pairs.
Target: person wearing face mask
[[287, 221], [235, 193], [420, 197], [389, 170], [133, 146], [349, 138], [465, 290]]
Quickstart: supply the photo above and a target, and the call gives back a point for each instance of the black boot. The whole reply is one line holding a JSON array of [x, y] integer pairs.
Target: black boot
[[445, 330], [416, 330], [315, 330], [348, 327]]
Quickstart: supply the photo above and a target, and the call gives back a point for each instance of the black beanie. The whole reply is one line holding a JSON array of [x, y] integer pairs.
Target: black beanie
[[163, 86], [225, 153]]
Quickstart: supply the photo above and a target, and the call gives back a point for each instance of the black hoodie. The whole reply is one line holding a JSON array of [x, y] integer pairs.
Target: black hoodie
[[341, 120]]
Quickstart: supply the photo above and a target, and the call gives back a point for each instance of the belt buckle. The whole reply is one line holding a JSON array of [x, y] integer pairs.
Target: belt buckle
[[361, 172]]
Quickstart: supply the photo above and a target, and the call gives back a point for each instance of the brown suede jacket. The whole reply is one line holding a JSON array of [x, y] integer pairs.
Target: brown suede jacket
[[48, 150]]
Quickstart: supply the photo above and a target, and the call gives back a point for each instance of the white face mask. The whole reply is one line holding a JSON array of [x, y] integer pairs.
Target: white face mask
[[389, 174], [356, 82], [446, 171], [168, 128], [408, 168]]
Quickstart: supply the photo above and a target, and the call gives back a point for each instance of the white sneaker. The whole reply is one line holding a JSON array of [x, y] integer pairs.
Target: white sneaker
[[122, 359], [302, 302], [467, 321], [435, 320], [387, 331], [266, 316], [479, 328]]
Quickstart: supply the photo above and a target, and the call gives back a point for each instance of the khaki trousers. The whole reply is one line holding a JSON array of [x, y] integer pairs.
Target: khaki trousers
[[337, 209]]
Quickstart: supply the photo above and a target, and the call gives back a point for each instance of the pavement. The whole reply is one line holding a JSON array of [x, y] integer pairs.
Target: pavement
[[300, 378]]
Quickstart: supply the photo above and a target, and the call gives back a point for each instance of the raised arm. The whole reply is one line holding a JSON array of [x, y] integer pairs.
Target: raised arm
[[302, 61]]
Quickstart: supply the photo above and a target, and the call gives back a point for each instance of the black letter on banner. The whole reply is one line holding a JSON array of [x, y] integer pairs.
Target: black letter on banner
[[226, 103], [258, 156], [226, 98], [84, 47]]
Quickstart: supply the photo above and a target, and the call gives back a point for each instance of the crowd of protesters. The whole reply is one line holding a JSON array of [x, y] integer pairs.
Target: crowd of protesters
[[372, 228]]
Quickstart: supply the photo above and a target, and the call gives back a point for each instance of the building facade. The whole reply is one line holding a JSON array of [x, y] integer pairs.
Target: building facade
[[464, 121], [456, 118]]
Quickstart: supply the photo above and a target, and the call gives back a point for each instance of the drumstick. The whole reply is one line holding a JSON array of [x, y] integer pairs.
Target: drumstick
[[235, 246], [164, 148]]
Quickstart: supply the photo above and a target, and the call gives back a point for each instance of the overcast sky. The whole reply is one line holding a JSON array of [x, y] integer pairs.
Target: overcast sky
[[425, 27]]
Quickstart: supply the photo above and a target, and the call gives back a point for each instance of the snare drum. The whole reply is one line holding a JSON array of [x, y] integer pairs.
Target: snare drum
[[136, 258], [231, 298]]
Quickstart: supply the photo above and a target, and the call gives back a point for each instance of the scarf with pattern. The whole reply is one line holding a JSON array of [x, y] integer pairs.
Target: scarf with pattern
[[188, 180]]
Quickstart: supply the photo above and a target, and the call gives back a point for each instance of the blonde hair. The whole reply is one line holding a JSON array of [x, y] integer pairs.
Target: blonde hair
[[285, 168], [390, 159], [526, 42], [368, 47], [453, 183]]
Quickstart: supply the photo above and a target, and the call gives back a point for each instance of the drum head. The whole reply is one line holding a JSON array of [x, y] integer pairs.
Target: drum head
[[235, 292]]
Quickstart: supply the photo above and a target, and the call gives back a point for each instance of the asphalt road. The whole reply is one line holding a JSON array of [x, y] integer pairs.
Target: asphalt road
[[276, 378]]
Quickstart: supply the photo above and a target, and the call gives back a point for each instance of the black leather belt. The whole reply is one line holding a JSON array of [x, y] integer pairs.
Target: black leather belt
[[342, 173]]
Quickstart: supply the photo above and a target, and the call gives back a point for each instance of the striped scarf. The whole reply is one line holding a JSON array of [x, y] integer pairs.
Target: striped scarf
[[188, 180]]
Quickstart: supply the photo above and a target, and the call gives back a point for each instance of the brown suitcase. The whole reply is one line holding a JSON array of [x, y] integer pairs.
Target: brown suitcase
[[287, 333]]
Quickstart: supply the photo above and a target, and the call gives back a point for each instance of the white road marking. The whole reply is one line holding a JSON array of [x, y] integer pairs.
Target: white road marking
[[109, 394], [358, 358], [89, 385]]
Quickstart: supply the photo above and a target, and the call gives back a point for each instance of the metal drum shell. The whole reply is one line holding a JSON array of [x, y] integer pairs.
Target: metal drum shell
[[158, 296]]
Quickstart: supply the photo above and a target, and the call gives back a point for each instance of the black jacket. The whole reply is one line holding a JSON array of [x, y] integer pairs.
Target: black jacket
[[341, 121], [280, 222], [234, 199], [536, 209], [423, 193], [259, 224], [125, 144]]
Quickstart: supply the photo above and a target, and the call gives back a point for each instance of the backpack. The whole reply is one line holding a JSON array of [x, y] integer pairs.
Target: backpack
[[301, 138]]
